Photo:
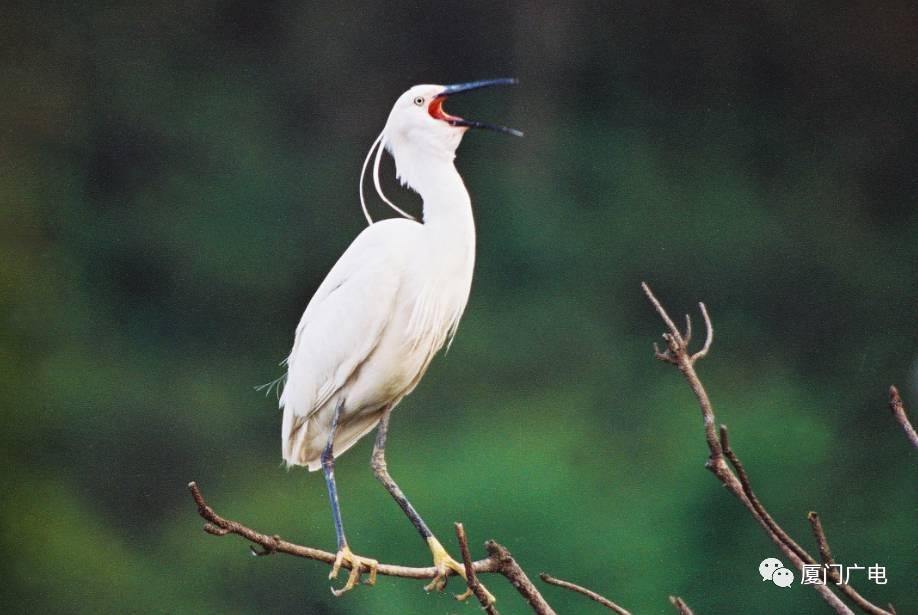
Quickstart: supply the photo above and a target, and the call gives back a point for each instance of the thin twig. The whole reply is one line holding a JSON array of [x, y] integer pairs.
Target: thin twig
[[677, 354], [898, 410], [754, 500], [499, 561], [804, 555], [267, 550], [219, 526], [680, 605], [586, 592], [826, 554], [797, 554], [508, 567], [663, 315], [475, 586], [709, 339]]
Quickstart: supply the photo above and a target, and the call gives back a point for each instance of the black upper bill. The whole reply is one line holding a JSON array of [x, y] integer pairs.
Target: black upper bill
[[460, 88]]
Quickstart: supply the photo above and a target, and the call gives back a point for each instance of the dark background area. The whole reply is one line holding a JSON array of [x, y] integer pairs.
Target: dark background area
[[176, 179]]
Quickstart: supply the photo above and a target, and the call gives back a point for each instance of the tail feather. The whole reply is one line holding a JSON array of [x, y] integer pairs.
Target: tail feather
[[304, 438]]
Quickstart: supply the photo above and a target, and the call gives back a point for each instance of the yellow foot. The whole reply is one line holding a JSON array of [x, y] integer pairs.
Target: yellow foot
[[444, 563], [356, 563]]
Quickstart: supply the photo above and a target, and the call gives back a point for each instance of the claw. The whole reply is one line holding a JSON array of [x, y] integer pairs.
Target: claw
[[490, 597], [356, 563], [268, 550], [444, 563]]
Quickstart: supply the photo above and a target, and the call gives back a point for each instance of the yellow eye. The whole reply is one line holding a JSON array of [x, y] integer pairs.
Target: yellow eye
[[419, 101]]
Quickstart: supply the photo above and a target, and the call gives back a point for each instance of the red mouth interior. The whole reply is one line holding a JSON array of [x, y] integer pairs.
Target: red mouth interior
[[435, 109]]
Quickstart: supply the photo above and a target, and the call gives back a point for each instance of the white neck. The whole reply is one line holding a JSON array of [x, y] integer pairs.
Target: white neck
[[448, 219], [448, 255], [447, 206]]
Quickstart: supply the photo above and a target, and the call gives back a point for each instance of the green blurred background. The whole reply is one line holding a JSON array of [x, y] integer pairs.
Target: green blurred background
[[177, 178]]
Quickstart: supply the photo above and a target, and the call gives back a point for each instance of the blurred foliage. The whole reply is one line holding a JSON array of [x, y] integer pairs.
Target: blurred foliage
[[177, 178]]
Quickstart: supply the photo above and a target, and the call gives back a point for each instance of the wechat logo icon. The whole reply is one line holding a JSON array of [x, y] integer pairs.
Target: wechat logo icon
[[773, 570]]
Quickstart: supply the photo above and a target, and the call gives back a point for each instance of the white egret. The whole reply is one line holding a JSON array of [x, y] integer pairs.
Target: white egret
[[385, 309]]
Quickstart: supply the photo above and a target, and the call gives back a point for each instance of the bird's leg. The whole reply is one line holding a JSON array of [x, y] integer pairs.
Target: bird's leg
[[443, 562], [344, 552]]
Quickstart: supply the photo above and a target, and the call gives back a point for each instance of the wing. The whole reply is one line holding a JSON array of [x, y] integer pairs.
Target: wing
[[346, 317]]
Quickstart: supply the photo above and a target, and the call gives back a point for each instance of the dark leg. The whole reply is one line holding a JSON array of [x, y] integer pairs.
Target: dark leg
[[381, 471], [328, 468], [344, 554], [443, 562]]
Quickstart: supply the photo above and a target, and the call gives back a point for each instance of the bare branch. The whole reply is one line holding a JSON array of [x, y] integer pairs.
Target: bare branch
[[218, 526], [821, 541], [680, 605], [663, 315], [680, 357], [484, 597], [754, 500], [268, 550], [898, 410], [500, 561], [716, 463], [732, 475], [586, 592], [665, 355], [709, 338], [508, 567], [802, 553], [826, 554]]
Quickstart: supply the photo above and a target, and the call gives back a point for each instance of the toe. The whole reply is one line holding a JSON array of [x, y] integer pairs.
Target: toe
[[352, 578], [356, 565], [336, 567], [371, 580]]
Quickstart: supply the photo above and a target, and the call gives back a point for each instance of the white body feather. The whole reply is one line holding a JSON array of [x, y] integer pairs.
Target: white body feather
[[387, 306]]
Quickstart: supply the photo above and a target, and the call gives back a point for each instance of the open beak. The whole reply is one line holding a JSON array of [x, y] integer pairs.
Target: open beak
[[436, 105]]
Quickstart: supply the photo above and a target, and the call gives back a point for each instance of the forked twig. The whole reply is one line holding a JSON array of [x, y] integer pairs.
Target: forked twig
[[499, 561], [802, 553], [219, 526], [754, 500], [733, 476], [677, 353]]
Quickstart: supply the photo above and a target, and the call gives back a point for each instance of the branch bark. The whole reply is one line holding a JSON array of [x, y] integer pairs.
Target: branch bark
[[483, 596], [586, 592], [219, 526], [499, 560], [824, 552], [898, 410], [512, 571], [680, 605], [677, 353], [723, 462]]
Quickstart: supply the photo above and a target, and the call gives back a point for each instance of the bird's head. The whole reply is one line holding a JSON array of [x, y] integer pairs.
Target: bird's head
[[418, 126], [419, 131], [418, 120]]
